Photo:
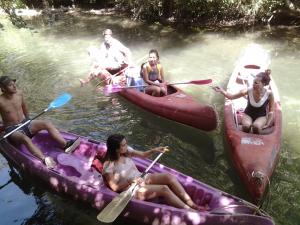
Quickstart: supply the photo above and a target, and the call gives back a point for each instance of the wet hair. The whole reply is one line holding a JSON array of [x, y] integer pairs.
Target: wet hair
[[265, 78], [113, 144], [155, 52]]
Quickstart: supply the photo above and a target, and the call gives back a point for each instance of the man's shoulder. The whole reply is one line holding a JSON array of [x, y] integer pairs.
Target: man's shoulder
[[18, 94], [118, 43], [1, 98]]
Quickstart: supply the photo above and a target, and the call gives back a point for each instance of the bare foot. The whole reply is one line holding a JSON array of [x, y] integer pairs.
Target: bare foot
[[192, 204], [203, 208], [49, 162], [82, 82]]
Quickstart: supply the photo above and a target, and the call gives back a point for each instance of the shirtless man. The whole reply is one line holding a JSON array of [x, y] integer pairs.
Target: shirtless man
[[14, 112], [112, 57]]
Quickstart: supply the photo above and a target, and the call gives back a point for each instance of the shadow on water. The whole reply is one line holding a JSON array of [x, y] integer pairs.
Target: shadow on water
[[50, 207], [166, 132], [88, 26]]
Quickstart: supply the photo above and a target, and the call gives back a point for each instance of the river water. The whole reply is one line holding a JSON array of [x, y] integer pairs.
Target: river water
[[49, 58]]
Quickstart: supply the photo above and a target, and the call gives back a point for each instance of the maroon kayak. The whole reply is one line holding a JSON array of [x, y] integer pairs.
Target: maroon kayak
[[75, 176], [254, 156], [177, 106]]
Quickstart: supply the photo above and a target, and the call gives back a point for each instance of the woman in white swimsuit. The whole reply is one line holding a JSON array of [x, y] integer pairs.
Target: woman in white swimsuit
[[256, 115], [120, 172]]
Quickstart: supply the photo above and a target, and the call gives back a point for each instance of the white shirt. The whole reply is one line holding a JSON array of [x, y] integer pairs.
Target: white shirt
[[122, 171], [113, 55]]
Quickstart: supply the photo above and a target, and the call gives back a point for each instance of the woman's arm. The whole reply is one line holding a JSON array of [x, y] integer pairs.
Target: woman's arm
[[162, 74], [270, 117], [229, 95], [24, 106], [115, 183], [148, 153]]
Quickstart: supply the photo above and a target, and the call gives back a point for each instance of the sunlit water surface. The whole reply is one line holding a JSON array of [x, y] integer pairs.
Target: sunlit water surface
[[50, 58]]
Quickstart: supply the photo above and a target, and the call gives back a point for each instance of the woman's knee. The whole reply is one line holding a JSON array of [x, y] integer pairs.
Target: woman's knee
[[246, 127], [164, 190], [157, 91], [256, 128], [169, 178]]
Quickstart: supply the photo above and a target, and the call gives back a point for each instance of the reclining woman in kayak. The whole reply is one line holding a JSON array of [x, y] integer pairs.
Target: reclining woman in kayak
[[120, 172], [153, 75], [259, 100]]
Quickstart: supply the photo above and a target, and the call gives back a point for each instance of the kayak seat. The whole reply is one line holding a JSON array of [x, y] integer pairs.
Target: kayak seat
[[98, 160], [78, 170], [97, 165]]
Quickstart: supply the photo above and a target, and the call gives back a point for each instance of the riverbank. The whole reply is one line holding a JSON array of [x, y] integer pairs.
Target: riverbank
[[278, 18]]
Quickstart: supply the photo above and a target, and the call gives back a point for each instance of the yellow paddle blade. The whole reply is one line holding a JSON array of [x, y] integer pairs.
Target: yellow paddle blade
[[116, 206]]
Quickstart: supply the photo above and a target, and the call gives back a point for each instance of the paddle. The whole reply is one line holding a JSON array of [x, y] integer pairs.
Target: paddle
[[116, 206], [121, 71], [112, 76], [58, 102], [108, 89]]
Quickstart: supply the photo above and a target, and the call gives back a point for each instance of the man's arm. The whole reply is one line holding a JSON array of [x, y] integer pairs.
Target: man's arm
[[125, 51], [24, 106]]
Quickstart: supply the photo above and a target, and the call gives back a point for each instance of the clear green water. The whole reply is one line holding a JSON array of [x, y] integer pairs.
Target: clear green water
[[50, 58]]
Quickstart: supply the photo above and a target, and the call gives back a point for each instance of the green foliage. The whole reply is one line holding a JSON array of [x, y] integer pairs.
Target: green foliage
[[199, 11], [9, 4], [190, 12], [9, 7]]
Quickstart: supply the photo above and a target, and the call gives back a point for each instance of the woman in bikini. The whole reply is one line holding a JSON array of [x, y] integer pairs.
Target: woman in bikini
[[153, 75], [120, 172], [259, 113]]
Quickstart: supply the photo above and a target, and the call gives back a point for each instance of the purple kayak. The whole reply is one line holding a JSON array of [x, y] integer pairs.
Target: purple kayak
[[75, 176]]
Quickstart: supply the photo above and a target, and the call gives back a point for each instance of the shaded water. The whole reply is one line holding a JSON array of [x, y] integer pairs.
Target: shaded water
[[50, 58]]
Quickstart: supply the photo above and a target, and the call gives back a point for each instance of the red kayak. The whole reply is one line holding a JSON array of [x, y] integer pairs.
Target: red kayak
[[254, 156], [177, 106]]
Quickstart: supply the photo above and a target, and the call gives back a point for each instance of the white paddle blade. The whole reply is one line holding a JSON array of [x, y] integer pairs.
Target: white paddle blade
[[116, 206]]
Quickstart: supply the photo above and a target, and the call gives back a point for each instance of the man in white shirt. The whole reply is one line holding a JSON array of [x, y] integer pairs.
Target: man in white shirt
[[112, 58]]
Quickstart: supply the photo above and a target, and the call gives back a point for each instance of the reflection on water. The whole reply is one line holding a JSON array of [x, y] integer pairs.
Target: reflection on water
[[49, 60]]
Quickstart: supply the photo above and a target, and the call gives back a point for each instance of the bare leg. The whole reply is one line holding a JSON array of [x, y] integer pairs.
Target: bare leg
[[163, 91], [246, 123], [38, 125], [173, 184], [258, 124], [90, 77], [151, 191], [21, 138], [153, 90], [105, 77]]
